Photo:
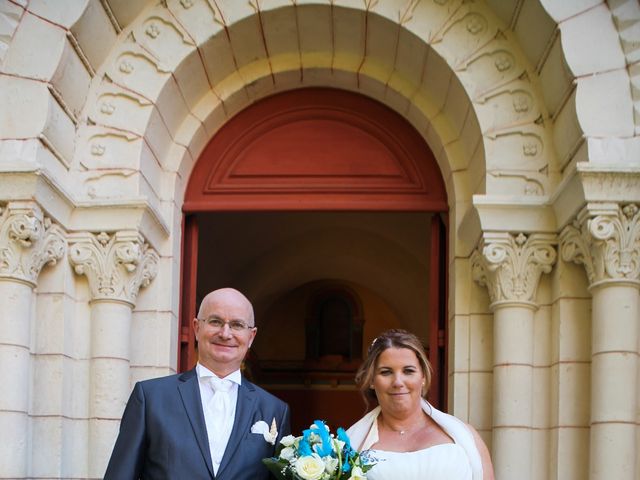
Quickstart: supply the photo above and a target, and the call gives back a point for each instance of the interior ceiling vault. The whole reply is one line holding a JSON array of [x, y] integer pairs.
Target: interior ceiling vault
[[268, 255]]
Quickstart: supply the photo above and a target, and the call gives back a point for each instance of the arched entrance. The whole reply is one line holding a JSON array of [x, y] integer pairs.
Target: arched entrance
[[345, 205]]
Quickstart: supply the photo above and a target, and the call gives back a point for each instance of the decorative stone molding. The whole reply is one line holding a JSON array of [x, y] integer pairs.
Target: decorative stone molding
[[161, 49], [510, 266], [606, 183], [605, 238], [116, 266], [28, 241]]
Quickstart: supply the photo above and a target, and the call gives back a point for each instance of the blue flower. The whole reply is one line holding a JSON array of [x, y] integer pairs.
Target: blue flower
[[343, 437], [325, 449], [348, 452], [304, 448]]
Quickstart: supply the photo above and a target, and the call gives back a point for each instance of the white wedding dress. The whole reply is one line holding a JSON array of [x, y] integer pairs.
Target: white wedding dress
[[447, 461], [459, 460]]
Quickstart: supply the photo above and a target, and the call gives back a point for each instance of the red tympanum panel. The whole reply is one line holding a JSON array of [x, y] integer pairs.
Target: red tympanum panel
[[318, 149]]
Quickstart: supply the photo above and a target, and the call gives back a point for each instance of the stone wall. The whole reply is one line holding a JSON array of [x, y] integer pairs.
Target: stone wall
[[530, 107]]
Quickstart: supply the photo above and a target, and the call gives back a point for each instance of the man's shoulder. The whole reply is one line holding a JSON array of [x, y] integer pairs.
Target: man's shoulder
[[167, 380]]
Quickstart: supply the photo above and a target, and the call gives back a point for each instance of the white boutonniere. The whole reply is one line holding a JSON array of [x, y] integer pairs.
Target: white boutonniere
[[269, 434]]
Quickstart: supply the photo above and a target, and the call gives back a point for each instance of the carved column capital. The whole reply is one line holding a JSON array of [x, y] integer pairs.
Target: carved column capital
[[510, 266], [116, 265], [28, 241], [605, 238]]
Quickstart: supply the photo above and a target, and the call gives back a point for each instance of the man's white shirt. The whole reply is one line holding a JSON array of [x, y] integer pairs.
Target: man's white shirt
[[218, 434]]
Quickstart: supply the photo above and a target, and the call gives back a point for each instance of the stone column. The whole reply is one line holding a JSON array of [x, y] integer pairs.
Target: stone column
[[605, 238], [28, 241], [510, 267], [116, 267]]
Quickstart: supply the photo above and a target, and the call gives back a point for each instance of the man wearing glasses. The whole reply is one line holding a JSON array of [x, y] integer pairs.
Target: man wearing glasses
[[209, 422]]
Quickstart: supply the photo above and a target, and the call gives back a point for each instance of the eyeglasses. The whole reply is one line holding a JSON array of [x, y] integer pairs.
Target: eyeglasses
[[218, 324]]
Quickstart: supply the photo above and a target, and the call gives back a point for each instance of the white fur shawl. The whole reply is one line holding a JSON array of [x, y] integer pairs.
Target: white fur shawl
[[364, 433]]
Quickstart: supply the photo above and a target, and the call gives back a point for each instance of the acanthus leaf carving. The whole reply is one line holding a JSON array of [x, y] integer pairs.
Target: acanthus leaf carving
[[117, 265], [28, 242], [605, 239], [511, 266]]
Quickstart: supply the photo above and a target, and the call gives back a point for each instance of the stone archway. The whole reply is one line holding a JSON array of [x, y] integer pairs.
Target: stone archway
[[464, 92], [101, 126]]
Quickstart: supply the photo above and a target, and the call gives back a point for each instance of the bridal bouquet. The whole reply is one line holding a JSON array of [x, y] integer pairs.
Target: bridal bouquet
[[318, 455]]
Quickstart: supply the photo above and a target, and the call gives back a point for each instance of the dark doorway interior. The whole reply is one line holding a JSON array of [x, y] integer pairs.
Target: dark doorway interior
[[324, 285]]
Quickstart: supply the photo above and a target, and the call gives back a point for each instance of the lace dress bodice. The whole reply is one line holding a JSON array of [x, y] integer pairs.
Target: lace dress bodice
[[447, 461]]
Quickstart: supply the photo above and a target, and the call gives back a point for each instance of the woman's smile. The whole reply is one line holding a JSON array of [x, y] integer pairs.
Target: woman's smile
[[398, 379]]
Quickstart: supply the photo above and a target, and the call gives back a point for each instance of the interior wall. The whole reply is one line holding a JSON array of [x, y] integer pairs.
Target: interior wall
[[280, 346], [282, 326], [267, 255]]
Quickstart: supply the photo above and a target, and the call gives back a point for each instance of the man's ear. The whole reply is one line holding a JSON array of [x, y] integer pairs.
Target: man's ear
[[196, 326], [254, 332]]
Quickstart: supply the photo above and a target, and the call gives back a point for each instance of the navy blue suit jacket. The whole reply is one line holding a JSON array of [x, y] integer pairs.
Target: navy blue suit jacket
[[163, 433]]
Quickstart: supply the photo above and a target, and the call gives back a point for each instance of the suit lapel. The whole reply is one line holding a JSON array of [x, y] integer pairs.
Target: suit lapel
[[190, 393], [241, 423]]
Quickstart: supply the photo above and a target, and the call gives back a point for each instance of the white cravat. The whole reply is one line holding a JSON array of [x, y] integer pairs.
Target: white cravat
[[220, 411], [219, 398]]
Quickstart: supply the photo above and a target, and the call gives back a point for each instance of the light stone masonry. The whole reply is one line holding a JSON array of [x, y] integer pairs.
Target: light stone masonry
[[106, 106], [605, 238]]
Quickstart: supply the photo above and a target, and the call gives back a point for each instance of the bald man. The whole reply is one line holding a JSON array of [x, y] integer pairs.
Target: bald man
[[209, 422]]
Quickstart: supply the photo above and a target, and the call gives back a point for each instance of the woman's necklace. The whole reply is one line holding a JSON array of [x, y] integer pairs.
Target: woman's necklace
[[404, 431]]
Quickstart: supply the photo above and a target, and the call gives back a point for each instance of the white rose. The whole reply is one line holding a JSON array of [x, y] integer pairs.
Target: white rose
[[288, 454], [310, 467], [330, 464], [288, 440], [357, 474]]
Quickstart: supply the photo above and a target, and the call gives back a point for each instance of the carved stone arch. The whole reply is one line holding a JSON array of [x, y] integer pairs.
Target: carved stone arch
[[468, 93]]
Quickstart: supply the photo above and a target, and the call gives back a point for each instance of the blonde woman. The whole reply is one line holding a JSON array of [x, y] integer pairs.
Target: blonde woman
[[410, 439]]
